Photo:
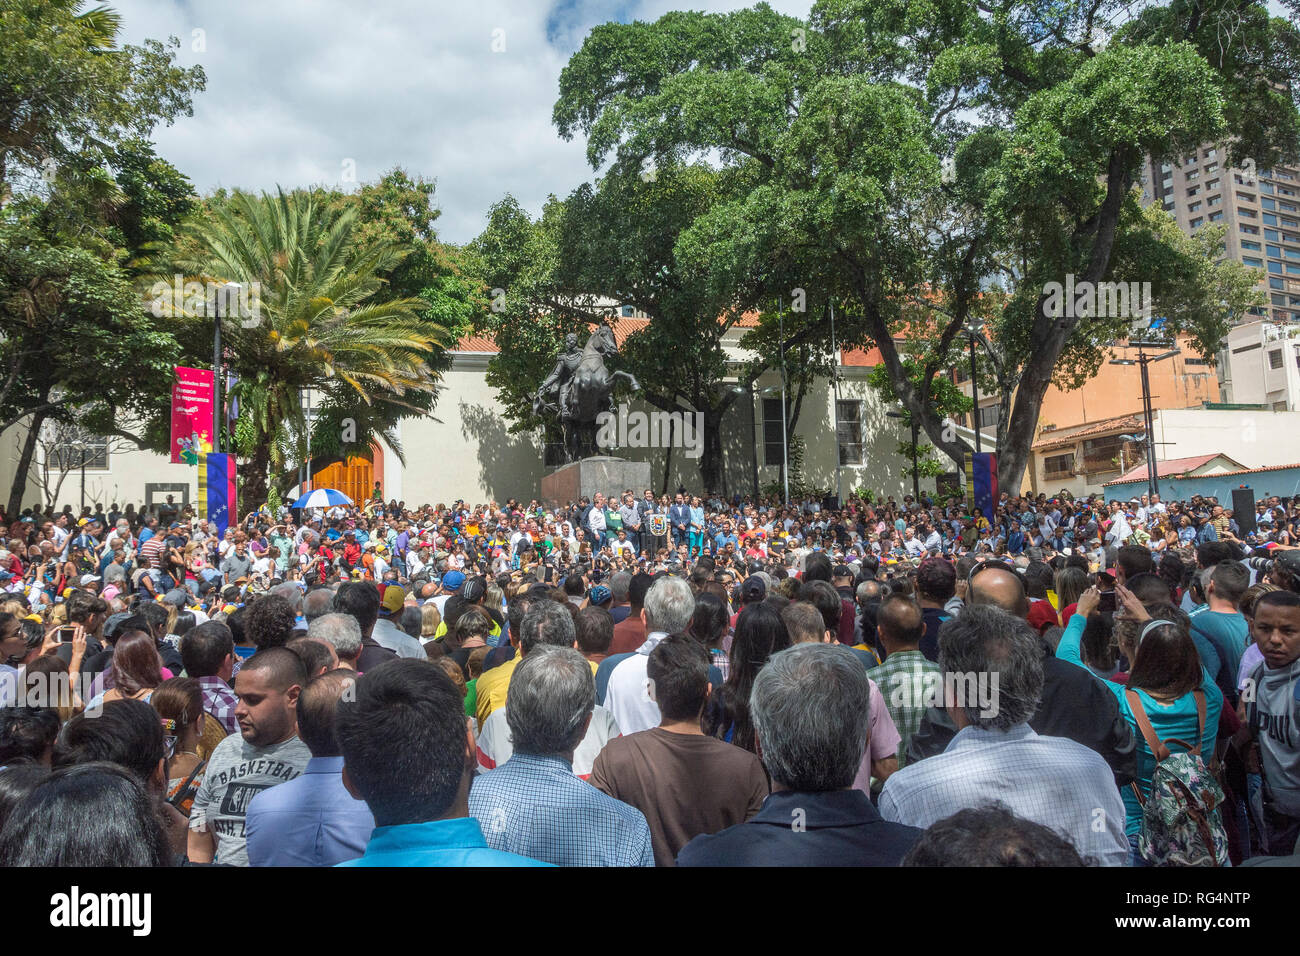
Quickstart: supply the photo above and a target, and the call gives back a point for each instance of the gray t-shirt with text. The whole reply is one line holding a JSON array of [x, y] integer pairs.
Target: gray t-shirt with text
[[236, 773]]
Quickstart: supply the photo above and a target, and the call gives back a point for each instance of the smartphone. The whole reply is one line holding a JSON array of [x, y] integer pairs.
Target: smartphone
[[64, 634], [1107, 604]]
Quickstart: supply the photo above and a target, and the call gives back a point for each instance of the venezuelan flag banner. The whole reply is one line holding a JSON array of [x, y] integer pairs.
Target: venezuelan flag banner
[[217, 490], [982, 481]]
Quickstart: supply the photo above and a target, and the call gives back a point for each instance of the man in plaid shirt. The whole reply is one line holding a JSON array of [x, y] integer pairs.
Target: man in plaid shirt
[[208, 652], [908, 681]]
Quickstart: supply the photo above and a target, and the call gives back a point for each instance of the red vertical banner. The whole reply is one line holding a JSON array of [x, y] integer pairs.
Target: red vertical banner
[[192, 393]]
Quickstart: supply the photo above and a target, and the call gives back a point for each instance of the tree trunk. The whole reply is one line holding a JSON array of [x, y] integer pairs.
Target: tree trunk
[[711, 464], [19, 485], [255, 478]]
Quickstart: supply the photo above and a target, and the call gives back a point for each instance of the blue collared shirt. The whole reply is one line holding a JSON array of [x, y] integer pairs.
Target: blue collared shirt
[[309, 821], [1051, 780], [537, 807], [456, 842]]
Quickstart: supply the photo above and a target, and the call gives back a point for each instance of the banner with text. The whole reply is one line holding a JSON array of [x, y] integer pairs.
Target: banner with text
[[191, 415]]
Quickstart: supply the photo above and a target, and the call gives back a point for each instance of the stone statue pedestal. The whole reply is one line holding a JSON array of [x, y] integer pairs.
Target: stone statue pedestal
[[609, 476]]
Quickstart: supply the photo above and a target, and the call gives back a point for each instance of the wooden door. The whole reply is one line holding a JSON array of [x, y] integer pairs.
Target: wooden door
[[354, 477]]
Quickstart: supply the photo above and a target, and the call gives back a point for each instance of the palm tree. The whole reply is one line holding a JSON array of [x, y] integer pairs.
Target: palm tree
[[311, 318]]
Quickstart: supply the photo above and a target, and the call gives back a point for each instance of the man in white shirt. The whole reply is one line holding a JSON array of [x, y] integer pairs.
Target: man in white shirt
[[669, 607], [596, 519]]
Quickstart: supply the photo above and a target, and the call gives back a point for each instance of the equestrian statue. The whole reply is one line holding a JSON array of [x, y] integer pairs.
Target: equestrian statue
[[579, 388]]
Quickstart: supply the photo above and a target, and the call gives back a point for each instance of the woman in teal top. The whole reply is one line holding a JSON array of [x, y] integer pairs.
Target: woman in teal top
[[697, 527], [1165, 671]]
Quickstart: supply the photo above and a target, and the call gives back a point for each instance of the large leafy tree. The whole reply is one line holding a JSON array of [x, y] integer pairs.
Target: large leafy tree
[[899, 155], [615, 239], [83, 195], [67, 87], [315, 317], [75, 346], [399, 210]]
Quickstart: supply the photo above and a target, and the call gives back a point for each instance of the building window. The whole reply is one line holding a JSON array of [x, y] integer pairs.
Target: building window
[[1252, 261], [1102, 454], [1195, 361], [773, 453], [1194, 207], [849, 415], [1275, 358], [1058, 466], [1197, 222], [72, 448], [988, 416], [1253, 246]]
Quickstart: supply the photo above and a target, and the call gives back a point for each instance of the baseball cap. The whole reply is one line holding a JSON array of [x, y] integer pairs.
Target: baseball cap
[[83, 522], [473, 589], [394, 598], [754, 588], [452, 580], [176, 596], [599, 594], [89, 579]]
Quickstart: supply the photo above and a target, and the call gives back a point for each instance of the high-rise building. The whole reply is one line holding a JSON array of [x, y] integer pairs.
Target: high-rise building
[[1260, 209]]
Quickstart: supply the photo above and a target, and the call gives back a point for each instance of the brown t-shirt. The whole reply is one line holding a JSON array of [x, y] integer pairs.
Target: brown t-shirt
[[685, 784], [629, 634]]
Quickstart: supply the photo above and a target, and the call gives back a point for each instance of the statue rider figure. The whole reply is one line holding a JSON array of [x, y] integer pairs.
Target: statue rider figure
[[561, 377]]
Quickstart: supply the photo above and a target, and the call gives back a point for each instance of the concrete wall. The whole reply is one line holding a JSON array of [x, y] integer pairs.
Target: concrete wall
[[463, 450], [130, 477], [1257, 439]]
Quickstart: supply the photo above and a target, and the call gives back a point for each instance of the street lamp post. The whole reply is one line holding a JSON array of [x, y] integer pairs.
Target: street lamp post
[[1148, 413], [218, 412]]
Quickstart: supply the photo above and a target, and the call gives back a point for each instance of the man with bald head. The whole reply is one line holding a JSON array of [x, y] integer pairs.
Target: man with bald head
[[1074, 703], [997, 584], [265, 753]]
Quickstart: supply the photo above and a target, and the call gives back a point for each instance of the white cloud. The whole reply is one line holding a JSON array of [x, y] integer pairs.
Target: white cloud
[[296, 87]]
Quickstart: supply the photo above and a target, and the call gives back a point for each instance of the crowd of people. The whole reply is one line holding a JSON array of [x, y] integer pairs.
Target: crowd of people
[[639, 679]]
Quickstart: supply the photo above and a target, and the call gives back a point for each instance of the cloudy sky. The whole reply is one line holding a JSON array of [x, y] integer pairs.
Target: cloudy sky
[[304, 92]]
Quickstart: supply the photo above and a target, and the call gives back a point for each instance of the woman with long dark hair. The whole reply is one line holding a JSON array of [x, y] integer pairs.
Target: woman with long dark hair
[[760, 633], [136, 669], [1168, 690], [710, 625]]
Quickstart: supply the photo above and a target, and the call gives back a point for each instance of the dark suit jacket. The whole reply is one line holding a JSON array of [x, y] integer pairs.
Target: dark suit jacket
[[1075, 704], [835, 828]]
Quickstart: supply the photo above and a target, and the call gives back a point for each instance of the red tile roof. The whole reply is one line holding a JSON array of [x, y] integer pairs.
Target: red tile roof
[[1068, 436], [1222, 474], [485, 344], [1172, 467]]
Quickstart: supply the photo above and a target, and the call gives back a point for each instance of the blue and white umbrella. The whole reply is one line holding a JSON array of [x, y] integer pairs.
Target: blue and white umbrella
[[322, 498]]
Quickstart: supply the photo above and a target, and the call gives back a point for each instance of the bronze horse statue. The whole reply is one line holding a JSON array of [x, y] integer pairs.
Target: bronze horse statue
[[588, 391]]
